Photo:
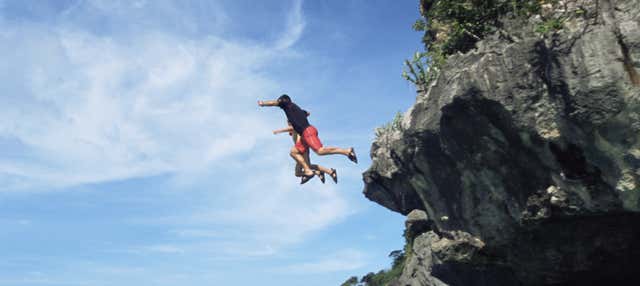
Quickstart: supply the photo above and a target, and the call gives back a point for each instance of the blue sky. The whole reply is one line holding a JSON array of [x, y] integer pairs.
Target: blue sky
[[132, 151]]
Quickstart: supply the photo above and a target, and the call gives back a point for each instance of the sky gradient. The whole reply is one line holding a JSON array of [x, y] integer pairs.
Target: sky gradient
[[132, 150]]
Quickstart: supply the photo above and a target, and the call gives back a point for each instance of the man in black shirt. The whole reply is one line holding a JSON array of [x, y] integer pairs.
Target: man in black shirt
[[299, 122]]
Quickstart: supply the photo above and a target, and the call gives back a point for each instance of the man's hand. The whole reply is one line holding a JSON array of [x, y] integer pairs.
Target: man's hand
[[288, 129], [268, 103]]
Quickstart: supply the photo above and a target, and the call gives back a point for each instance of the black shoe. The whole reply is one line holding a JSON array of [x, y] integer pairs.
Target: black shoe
[[334, 175], [306, 178], [352, 156], [321, 176]]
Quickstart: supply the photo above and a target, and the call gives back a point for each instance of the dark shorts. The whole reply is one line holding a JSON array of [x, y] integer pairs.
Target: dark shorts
[[309, 139]]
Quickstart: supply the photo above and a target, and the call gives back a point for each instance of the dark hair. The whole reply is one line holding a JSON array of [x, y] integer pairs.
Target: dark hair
[[284, 99]]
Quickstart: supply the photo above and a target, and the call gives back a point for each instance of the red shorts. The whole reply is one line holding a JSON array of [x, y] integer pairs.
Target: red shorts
[[308, 139]]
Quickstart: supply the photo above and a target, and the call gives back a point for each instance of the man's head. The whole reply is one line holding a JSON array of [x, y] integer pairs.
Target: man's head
[[284, 100]]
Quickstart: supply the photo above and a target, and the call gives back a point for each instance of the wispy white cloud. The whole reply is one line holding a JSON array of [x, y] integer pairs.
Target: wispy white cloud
[[346, 260], [89, 107], [38, 281], [85, 107], [196, 233], [92, 108], [165, 248], [295, 27], [258, 216], [15, 222]]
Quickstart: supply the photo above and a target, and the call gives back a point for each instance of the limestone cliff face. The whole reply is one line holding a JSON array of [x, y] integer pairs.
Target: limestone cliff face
[[530, 144]]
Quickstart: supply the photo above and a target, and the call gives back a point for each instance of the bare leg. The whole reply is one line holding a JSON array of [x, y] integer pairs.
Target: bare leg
[[296, 155], [321, 168], [332, 150], [299, 171], [315, 167], [350, 153]]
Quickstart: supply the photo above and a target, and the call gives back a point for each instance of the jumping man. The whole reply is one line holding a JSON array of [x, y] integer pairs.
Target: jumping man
[[300, 124], [299, 170]]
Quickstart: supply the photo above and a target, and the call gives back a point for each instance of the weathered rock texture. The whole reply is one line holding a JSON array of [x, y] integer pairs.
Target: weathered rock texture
[[453, 256], [531, 144]]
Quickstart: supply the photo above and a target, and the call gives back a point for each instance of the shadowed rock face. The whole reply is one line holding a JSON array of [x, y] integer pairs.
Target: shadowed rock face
[[532, 145]]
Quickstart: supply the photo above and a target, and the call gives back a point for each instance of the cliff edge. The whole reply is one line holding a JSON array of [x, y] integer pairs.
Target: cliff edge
[[524, 154]]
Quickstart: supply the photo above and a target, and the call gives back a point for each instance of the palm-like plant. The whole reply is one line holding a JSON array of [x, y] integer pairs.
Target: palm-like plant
[[420, 70]]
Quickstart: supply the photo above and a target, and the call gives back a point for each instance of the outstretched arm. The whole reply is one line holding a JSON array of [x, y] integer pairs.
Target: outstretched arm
[[268, 103], [283, 130]]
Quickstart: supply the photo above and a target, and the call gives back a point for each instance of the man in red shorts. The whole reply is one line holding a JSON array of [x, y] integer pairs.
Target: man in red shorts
[[299, 122]]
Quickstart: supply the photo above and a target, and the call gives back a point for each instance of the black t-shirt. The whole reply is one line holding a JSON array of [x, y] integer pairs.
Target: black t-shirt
[[296, 116]]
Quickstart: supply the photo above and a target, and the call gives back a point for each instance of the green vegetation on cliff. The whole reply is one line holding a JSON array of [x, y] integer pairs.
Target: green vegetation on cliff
[[383, 277], [452, 26], [393, 125]]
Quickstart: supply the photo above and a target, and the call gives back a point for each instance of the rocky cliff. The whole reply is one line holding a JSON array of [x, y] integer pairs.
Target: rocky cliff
[[524, 155]]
